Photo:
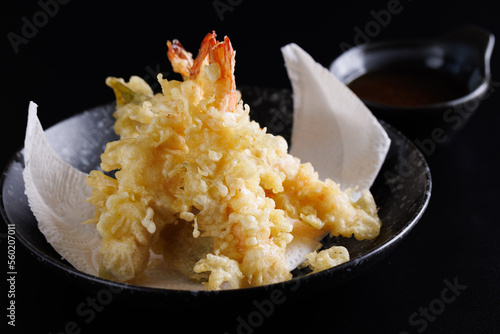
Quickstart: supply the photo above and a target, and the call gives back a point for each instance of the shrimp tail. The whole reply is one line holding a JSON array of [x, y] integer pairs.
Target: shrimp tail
[[223, 54], [207, 44], [181, 60], [211, 52]]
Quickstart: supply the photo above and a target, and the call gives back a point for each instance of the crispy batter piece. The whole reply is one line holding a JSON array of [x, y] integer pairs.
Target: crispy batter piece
[[200, 183]]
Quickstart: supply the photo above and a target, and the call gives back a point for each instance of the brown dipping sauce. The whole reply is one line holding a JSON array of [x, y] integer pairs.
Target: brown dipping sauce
[[408, 87]]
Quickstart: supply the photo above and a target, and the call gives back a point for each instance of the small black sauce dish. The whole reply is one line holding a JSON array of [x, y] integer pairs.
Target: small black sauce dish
[[428, 89]]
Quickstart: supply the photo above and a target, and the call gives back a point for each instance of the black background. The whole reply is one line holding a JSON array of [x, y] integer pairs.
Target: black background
[[62, 67]]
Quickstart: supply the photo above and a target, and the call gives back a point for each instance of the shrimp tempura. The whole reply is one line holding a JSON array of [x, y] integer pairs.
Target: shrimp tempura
[[201, 184]]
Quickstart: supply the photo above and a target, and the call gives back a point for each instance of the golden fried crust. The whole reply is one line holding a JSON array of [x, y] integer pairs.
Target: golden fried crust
[[323, 205], [201, 184]]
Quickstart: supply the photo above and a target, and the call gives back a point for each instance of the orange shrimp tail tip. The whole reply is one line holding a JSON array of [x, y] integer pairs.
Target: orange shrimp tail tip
[[206, 45], [211, 52], [223, 54], [181, 60]]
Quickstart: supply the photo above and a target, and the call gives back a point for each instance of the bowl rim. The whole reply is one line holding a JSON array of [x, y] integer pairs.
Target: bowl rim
[[62, 267]]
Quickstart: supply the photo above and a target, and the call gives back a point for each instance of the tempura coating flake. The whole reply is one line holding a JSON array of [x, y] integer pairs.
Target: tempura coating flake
[[326, 259], [201, 184]]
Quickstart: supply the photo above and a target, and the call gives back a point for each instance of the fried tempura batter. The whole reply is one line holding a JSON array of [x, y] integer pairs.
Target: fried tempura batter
[[200, 183]]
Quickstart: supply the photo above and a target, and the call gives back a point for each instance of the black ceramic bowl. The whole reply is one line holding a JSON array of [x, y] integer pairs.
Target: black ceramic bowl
[[463, 54], [402, 191]]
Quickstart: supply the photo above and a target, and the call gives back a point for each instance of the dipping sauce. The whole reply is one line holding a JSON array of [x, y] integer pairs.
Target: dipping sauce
[[408, 86]]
